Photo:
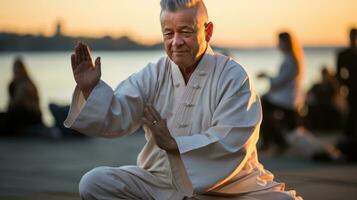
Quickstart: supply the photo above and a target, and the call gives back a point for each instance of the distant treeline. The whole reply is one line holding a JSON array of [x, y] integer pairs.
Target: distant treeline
[[16, 42]]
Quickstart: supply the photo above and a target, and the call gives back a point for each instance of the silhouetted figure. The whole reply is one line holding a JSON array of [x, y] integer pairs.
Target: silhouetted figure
[[325, 104], [23, 111], [284, 98], [347, 75]]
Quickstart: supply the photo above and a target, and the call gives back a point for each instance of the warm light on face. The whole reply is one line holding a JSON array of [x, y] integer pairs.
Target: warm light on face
[[184, 36]]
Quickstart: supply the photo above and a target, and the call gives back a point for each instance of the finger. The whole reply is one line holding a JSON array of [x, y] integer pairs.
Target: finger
[[148, 115], [79, 50], [73, 61], [156, 115], [161, 123], [153, 128], [98, 64], [145, 121], [82, 50], [78, 54], [87, 53], [154, 135]]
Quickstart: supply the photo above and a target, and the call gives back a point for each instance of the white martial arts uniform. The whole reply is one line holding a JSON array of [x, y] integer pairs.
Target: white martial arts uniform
[[214, 119]]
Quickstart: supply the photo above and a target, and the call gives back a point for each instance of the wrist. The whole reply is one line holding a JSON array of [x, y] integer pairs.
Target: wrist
[[86, 92], [173, 146]]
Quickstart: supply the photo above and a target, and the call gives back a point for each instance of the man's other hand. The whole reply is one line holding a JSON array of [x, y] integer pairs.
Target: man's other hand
[[159, 130]]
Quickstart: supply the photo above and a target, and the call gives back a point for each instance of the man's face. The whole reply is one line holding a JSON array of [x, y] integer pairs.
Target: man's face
[[184, 36]]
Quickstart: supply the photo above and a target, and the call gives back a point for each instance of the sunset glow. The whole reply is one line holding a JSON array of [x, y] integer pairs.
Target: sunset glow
[[237, 22]]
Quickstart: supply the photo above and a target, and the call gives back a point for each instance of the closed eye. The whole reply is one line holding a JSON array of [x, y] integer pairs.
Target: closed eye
[[168, 34], [187, 33]]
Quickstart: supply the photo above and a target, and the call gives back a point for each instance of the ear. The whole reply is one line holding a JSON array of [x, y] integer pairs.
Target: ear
[[209, 31]]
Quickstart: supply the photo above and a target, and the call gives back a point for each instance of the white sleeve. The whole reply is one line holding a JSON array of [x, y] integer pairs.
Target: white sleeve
[[228, 142], [108, 113]]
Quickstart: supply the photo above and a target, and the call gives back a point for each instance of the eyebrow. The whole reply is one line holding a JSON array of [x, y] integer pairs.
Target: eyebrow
[[180, 28]]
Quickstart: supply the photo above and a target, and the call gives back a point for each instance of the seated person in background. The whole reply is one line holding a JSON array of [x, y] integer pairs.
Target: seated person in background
[[284, 98], [23, 111], [326, 107], [282, 129]]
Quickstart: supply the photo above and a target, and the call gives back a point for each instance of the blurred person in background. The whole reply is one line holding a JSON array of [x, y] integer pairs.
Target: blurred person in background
[[23, 115], [347, 75], [285, 96], [326, 107]]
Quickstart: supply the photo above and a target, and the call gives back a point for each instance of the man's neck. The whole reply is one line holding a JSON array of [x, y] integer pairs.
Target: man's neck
[[188, 71]]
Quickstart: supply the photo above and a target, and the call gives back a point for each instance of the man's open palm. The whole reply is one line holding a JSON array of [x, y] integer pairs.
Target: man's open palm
[[85, 72]]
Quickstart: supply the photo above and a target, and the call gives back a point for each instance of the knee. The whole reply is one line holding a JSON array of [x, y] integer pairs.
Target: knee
[[91, 182]]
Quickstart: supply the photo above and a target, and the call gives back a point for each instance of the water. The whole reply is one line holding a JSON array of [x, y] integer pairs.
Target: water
[[52, 73]]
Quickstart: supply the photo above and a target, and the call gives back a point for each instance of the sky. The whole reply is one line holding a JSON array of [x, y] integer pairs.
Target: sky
[[247, 23]]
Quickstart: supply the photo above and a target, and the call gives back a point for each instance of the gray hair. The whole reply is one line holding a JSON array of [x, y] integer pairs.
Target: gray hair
[[174, 5]]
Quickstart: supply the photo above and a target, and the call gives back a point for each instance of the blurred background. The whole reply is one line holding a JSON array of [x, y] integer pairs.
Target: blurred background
[[127, 35]]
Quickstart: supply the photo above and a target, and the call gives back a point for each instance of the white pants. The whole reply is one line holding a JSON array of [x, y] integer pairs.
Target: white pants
[[109, 183]]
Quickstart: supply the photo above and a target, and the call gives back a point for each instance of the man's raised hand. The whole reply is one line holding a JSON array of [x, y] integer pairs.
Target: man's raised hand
[[86, 73]]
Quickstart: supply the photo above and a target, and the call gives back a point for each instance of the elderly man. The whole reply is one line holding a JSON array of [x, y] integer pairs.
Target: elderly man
[[199, 111]]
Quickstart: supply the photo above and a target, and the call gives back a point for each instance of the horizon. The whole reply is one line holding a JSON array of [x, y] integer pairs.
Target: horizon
[[160, 42], [113, 18]]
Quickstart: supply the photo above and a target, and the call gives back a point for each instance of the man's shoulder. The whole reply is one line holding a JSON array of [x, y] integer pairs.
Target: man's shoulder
[[153, 70], [159, 63], [232, 77], [230, 68], [157, 66]]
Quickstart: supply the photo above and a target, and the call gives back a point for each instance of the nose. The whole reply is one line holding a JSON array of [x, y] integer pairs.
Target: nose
[[177, 40]]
